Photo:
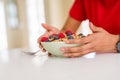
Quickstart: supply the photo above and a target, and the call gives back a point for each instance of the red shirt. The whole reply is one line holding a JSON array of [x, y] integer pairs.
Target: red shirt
[[103, 13]]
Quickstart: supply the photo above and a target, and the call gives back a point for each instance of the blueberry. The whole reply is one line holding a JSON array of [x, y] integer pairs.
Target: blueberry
[[70, 37], [50, 37], [69, 33], [56, 37], [47, 40]]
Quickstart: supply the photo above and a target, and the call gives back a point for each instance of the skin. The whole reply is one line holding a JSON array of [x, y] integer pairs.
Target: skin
[[100, 41], [49, 31], [70, 22]]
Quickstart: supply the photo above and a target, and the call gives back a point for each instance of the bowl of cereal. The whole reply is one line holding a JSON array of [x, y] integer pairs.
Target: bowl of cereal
[[54, 42], [54, 47]]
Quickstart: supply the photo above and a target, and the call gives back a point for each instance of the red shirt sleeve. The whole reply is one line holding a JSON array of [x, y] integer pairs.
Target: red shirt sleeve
[[77, 11]]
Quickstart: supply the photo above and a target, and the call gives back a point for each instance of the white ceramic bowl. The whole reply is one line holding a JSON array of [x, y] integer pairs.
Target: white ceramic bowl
[[54, 47]]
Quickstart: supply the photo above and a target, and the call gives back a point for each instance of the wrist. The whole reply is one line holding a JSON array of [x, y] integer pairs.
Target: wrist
[[118, 44]]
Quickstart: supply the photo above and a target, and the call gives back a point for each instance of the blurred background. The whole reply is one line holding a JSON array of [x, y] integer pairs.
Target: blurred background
[[20, 20]]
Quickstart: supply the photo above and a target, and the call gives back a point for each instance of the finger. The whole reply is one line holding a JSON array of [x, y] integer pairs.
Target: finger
[[39, 40], [70, 49], [45, 26], [83, 40], [77, 49], [78, 54]]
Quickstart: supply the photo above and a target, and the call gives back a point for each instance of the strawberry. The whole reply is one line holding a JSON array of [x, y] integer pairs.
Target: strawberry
[[44, 39]]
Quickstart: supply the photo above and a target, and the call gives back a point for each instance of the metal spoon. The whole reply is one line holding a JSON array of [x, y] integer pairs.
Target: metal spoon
[[33, 53]]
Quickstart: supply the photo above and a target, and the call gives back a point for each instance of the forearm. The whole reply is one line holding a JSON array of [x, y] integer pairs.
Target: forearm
[[71, 24]]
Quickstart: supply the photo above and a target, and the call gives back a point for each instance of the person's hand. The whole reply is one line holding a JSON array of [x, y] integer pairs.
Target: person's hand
[[100, 41], [49, 31]]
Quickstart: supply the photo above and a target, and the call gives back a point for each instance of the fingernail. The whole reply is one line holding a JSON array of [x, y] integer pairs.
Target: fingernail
[[62, 49]]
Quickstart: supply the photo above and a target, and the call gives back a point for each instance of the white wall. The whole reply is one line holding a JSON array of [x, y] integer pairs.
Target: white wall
[[31, 15], [3, 38], [18, 37], [57, 11]]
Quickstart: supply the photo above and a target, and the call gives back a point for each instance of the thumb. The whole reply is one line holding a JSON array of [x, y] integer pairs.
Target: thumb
[[94, 28], [45, 26]]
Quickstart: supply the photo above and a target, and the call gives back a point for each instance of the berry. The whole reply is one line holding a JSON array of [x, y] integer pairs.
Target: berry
[[70, 37], [50, 37], [68, 33], [61, 35], [48, 41], [80, 34], [44, 39], [56, 37]]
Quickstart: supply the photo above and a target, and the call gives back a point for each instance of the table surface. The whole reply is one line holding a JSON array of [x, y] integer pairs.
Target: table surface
[[15, 65]]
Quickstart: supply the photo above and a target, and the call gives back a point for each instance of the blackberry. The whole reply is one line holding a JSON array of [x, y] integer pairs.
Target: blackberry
[[70, 37], [80, 34]]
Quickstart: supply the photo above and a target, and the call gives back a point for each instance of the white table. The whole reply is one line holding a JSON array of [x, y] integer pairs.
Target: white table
[[15, 65]]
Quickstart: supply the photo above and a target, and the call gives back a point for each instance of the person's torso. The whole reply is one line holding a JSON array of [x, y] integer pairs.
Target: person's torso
[[104, 13]]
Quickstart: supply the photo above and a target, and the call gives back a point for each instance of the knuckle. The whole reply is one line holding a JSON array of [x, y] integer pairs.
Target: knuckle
[[71, 41], [75, 41], [84, 40], [83, 53], [74, 55], [82, 48], [78, 54], [76, 49], [67, 49]]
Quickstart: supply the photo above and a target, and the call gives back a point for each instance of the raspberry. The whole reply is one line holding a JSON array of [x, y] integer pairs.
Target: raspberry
[[54, 35], [61, 35], [44, 39]]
